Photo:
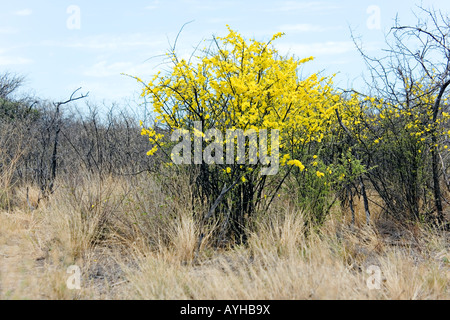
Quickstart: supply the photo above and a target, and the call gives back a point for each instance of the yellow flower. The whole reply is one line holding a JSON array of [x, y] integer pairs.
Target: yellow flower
[[244, 180], [297, 164], [320, 174], [285, 158], [153, 151]]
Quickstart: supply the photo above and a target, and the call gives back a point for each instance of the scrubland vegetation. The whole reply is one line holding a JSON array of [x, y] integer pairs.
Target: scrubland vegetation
[[134, 240], [362, 182]]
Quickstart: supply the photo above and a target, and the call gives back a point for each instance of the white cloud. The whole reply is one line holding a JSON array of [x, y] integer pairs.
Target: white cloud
[[8, 61], [8, 30], [305, 6], [324, 48], [24, 12], [340, 62], [220, 20], [154, 5], [208, 5], [108, 42], [306, 27], [104, 69], [316, 49]]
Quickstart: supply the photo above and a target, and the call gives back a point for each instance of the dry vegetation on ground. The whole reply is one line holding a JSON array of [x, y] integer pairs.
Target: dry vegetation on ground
[[134, 241]]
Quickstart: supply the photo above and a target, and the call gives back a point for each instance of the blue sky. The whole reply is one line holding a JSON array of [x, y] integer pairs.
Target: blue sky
[[57, 52]]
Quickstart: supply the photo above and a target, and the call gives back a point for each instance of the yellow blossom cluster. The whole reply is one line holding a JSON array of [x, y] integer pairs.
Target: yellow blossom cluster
[[246, 85]]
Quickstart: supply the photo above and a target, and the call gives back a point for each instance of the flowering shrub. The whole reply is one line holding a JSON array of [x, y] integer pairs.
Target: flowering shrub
[[395, 137], [247, 85], [328, 142]]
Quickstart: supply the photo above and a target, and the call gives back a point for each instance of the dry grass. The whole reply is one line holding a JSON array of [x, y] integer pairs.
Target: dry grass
[[133, 241]]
